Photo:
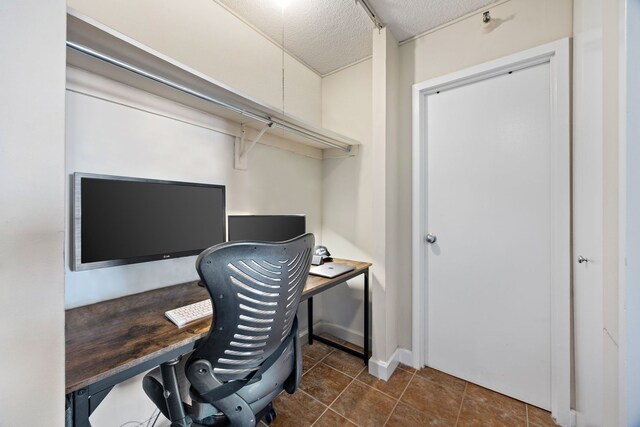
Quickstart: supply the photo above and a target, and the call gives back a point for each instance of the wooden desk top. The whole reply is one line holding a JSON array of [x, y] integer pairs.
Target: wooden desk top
[[317, 284], [108, 337]]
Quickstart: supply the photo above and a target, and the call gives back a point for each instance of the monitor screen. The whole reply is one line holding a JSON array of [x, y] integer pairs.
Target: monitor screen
[[266, 228], [127, 220]]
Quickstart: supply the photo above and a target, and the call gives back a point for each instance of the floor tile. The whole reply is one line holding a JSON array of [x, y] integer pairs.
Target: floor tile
[[404, 415], [393, 387], [331, 419], [435, 400], [442, 378], [308, 363], [364, 405], [316, 351], [539, 417], [427, 398], [296, 410], [497, 400], [406, 368], [345, 362], [324, 383], [477, 414]]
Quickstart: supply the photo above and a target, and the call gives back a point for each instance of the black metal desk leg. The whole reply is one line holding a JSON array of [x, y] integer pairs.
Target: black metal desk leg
[[366, 317], [310, 319], [81, 408]]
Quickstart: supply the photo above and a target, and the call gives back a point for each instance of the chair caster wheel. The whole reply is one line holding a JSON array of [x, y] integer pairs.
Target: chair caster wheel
[[270, 416]]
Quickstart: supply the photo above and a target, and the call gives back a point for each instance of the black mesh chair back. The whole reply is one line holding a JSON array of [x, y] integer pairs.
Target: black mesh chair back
[[252, 351], [255, 289]]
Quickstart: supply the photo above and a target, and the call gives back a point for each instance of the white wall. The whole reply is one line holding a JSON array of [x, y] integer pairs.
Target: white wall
[[207, 37], [347, 193], [110, 138], [32, 212], [610, 154], [587, 211], [385, 275], [397, 203], [596, 106]]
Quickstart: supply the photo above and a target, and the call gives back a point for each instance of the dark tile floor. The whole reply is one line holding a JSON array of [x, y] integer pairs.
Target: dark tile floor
[[336, 390]]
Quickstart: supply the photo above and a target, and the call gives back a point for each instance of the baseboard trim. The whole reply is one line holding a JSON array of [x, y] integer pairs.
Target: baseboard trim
[[339, 331], [383, 369], [406, 357], [573, 418], [303, 333]]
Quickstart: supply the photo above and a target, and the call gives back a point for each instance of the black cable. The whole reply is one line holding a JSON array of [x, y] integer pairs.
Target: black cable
[[142, 423], [154, 421]]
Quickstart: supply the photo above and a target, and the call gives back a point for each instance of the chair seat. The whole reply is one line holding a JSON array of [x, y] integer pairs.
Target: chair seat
[[259, 393]]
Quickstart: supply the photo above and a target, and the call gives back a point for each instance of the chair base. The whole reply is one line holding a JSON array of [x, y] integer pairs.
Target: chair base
[[268, 414]]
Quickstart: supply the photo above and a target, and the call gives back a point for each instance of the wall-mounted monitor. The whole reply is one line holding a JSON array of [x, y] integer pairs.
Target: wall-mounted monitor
[[121, 220], [266, 228]]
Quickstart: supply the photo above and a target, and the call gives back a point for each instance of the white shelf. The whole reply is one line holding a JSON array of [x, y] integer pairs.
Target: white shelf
[[98, 49]]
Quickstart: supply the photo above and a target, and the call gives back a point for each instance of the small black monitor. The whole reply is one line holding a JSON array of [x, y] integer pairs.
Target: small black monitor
[[266, 228]]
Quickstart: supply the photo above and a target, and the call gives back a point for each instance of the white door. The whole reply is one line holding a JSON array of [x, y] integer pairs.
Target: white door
[[489, 206]]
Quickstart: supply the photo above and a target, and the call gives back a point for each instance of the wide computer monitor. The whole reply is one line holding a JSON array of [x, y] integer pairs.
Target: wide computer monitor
[[266, 228], [120, 220]]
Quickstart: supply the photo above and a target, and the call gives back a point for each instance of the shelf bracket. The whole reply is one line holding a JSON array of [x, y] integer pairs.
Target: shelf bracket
[[243, 147]]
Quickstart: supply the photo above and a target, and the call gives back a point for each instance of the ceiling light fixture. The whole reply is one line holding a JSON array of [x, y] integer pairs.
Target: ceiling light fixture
[[283, 3]]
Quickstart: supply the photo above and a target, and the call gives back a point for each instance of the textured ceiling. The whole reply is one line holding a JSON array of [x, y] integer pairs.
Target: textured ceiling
[[330, 34], [408, 18]]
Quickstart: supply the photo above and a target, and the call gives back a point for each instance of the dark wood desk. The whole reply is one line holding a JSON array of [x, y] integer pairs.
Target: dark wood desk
[[111, 341]]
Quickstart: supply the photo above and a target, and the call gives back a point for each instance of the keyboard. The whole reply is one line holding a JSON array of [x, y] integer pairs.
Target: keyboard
[[190, 313]]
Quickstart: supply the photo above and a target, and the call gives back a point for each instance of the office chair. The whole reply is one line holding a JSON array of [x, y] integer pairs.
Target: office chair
[[252, 351]]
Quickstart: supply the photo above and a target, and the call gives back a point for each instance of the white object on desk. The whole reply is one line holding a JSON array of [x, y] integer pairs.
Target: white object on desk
[[189, 313], [330, 270]]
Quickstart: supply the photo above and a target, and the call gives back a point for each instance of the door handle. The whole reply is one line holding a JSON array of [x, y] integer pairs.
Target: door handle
[[582, 259], [431, 238]]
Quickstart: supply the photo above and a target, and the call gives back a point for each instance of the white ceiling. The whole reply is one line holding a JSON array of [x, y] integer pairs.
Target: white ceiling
[[330, 34], [408, 18]]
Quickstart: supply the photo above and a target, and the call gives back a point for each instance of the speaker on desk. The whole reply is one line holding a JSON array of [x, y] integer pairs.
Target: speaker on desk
[[321, 254]]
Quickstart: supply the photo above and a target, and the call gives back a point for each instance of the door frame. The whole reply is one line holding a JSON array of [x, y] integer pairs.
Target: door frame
[[557, 54]]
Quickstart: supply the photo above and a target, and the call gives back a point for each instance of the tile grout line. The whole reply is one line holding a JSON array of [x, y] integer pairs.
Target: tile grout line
[[380, 391], [338, 397], [400, 397], [312, 366], [327, 407], [430, 381], [342, 372], [339, 371], [313, 397], [464, 393], [499, 407], [318, 361]]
